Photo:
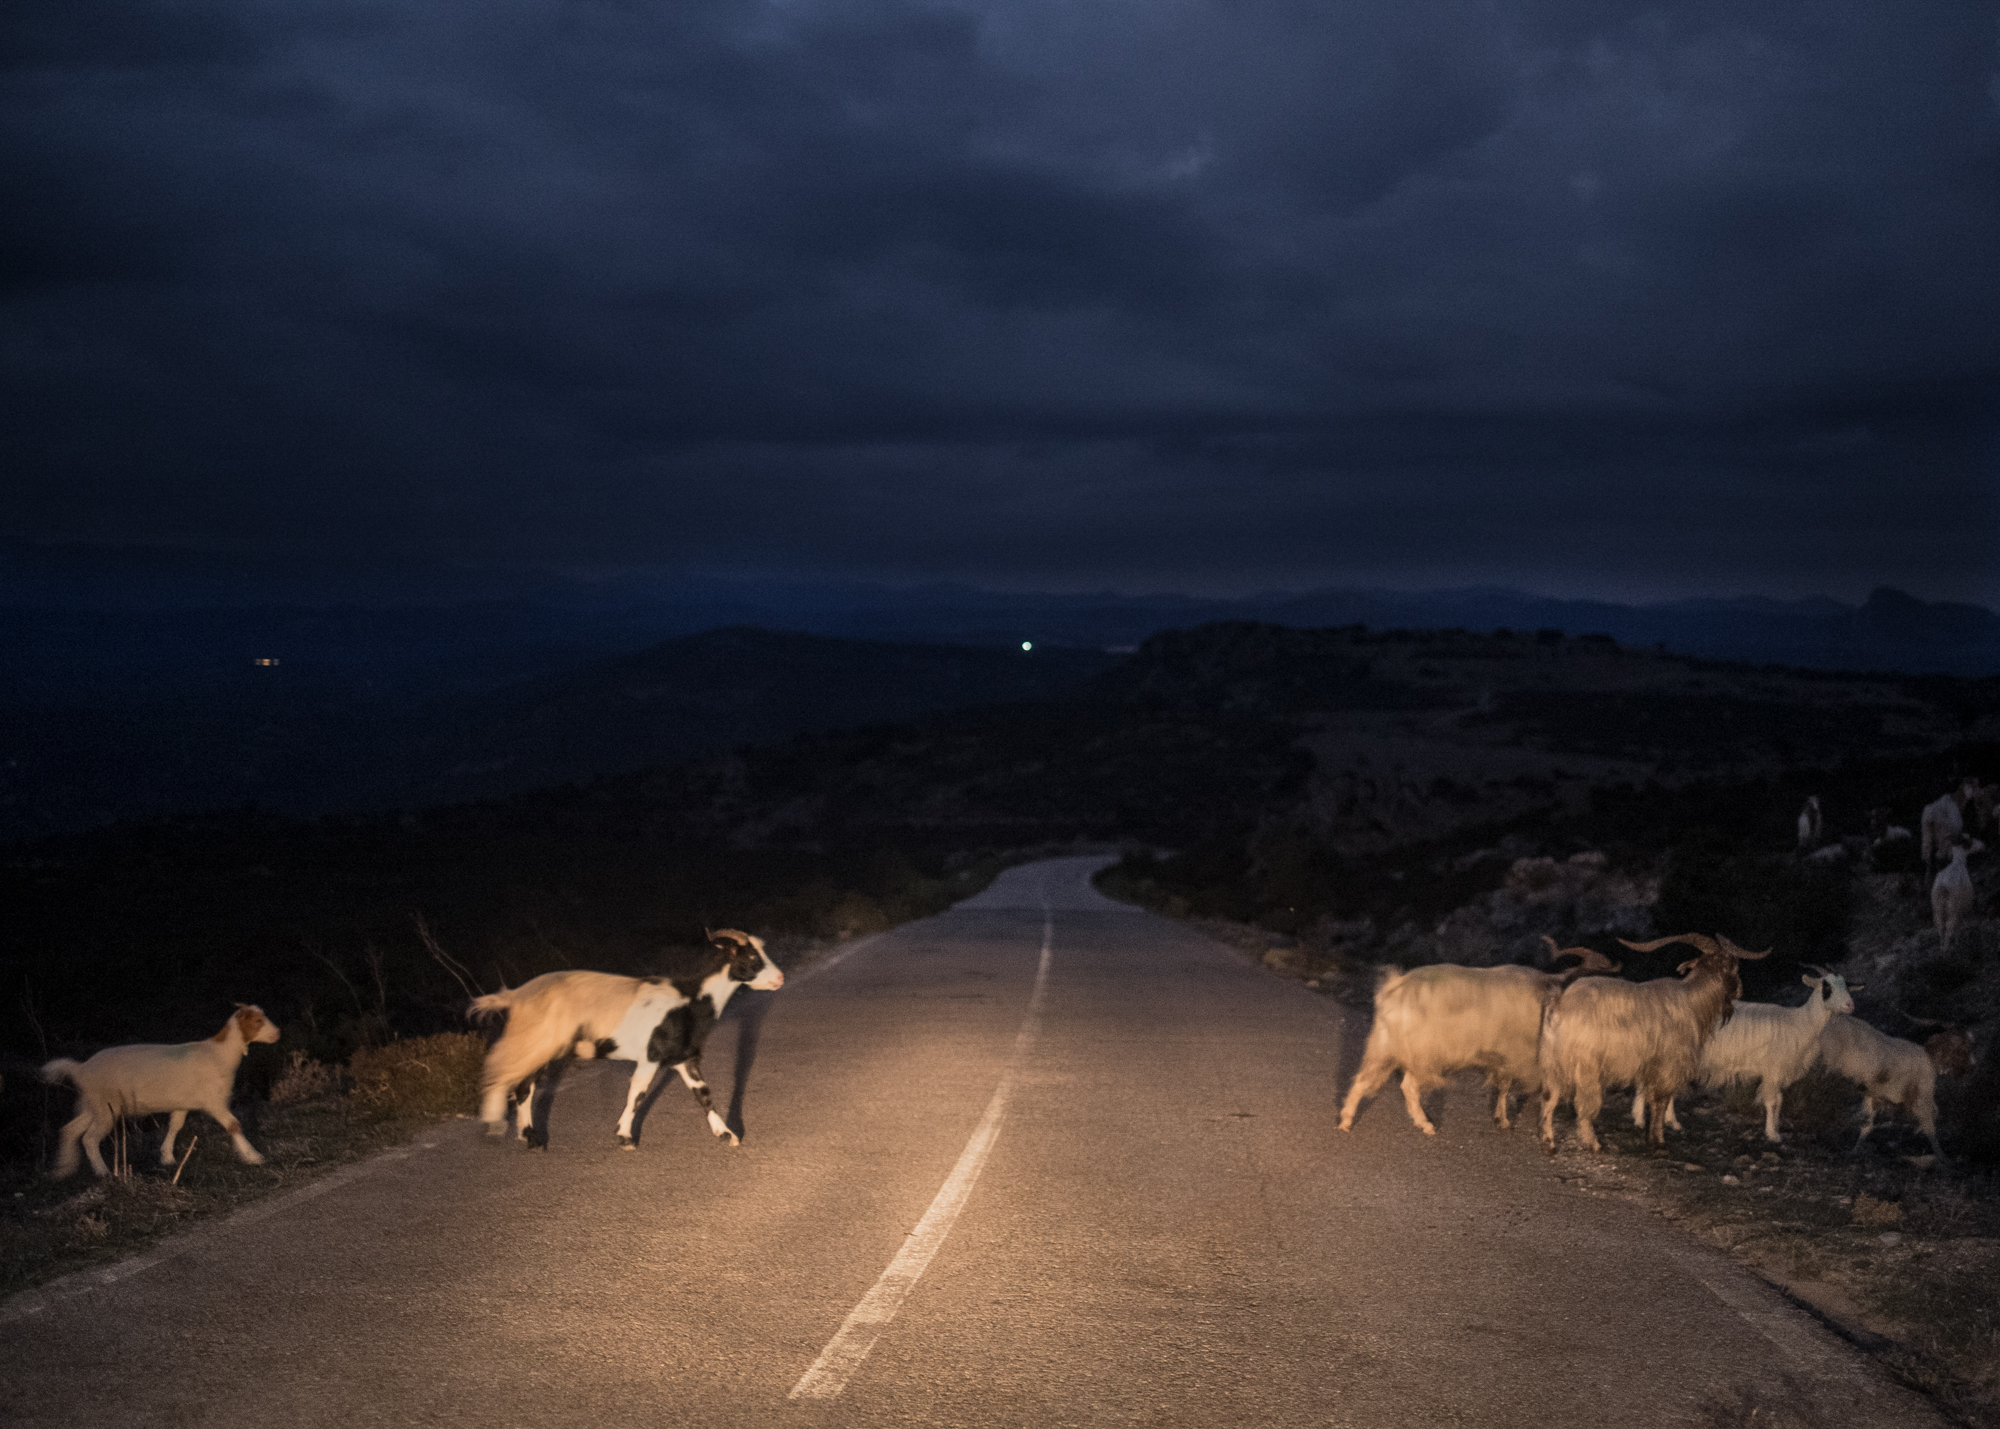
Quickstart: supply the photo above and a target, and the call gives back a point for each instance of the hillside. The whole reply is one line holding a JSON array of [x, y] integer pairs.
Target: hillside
[[1366, 739], [276, 738]]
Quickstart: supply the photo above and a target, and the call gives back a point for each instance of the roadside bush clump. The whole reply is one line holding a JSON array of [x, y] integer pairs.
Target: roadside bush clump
[[418, 1076], [303, 1080]]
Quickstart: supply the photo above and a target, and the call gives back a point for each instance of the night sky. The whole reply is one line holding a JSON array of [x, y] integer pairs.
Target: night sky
[[1596, 298]]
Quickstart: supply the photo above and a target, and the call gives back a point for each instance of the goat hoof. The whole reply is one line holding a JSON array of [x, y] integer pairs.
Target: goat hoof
[[626, 1143]]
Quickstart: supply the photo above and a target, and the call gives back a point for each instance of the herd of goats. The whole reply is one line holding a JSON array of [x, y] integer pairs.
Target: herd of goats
[[1574, 1035]]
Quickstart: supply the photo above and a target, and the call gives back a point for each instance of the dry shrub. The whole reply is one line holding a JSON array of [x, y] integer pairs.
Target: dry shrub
[[304, 1080], [1870, 1212], [419, 1076]]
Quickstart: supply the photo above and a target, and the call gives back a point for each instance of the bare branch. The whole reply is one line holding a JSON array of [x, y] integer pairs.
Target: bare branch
[[445, 960]]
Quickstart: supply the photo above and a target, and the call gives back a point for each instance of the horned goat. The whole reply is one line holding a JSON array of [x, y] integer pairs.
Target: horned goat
[[1893, 1071], [1952, 895], [1774, 1046], [145, 1078], [1605, 1032], [1444, 1018]]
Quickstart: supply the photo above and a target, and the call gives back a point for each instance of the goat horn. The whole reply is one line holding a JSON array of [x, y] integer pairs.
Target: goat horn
[[1693, 940], [1736, 952], [1816, 969]]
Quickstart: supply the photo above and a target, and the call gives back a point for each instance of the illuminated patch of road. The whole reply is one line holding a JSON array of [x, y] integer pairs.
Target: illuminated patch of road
[[868, 1319]]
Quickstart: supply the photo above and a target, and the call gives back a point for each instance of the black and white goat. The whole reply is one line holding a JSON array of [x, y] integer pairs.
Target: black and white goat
[[653, 1021]]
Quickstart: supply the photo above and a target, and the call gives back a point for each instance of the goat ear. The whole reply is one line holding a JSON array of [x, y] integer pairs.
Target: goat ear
[[1809, 980], [1856, 986]]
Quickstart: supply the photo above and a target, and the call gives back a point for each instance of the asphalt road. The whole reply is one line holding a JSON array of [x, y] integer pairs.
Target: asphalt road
[[1120, 1201]]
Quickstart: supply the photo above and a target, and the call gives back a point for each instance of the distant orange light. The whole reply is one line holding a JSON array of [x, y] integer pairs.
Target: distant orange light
[[266, 660]]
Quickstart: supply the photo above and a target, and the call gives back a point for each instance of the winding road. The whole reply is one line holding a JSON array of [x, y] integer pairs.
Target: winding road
[[1040, 1160]]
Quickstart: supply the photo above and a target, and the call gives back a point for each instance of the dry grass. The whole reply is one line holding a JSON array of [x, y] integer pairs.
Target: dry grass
[[311, 1125], [418, 1076], [1901, 1253]]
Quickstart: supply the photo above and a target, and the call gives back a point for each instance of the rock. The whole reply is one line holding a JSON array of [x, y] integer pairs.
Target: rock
[[1731, 1181]]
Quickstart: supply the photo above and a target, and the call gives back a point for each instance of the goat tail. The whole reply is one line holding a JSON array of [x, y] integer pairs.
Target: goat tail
[[491, 1005], [62, 1069]]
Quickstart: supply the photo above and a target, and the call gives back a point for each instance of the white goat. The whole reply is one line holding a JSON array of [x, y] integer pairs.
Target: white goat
[[1889, 1069], [1433, 1021], [1605, 1032], [1774, 1046], [145, 1078], [1941, 824], [1952, 895], [1810, 825]]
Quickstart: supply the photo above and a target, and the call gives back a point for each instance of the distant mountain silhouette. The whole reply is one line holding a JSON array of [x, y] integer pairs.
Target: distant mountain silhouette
[[134, 688]]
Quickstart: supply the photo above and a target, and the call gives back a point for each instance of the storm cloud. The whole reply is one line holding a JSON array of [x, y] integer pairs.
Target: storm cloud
[[1623, 298]]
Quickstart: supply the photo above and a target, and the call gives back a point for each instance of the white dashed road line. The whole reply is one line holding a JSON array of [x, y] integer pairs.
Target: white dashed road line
[[867, 1320]]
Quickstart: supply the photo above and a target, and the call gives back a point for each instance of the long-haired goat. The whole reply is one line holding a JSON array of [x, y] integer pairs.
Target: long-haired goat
[[1891, 1070], [1941, 823], [1605, 1032], [147, 1077], [653, 1021], [1436, 1020], [1773, 1046]]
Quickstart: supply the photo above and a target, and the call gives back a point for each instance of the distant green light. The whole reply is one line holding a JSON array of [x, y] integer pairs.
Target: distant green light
[[1027, 644]]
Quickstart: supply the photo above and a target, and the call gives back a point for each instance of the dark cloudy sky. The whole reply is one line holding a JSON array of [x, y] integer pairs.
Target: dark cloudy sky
[[1587, 296]]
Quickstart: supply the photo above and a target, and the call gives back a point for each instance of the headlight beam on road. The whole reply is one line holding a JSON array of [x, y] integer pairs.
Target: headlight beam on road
[[866, 1321]]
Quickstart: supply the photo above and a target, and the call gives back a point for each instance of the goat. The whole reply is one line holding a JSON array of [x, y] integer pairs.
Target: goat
[[1603, 1032], [1810, 825], [1941, 824], [652, 1021], [1952, 895], [1892, 1070], [145, 1078], [1436, 1020], [1776, 1046]]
